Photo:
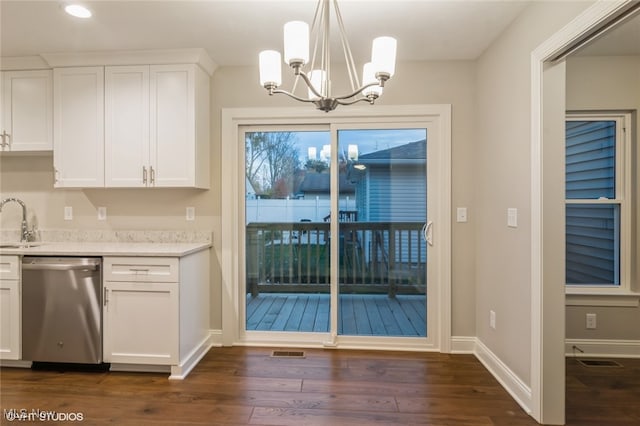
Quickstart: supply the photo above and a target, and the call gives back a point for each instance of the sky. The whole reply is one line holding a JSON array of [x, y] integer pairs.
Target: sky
[[367, 140]]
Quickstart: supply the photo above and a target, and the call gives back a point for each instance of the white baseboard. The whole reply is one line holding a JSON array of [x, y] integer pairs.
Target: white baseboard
[[179, 372], [503, 374], [463, 344], [139, 368], [15, 363], [603, 348], [215, 338]]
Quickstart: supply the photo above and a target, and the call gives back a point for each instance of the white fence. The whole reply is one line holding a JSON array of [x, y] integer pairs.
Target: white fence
[[293, 210]]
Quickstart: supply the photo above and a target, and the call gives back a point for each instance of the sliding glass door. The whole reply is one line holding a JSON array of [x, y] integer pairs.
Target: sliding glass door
[[287, 243], [335, 226], [382, 250]]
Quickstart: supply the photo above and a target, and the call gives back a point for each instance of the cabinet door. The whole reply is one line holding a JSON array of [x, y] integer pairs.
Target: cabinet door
[[141, 323], [26, 111], [173, 125], [127, 126], [10, 319], [78, 140]]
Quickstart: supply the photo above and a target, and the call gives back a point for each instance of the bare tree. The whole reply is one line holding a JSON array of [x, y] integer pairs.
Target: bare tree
[[271, 159]]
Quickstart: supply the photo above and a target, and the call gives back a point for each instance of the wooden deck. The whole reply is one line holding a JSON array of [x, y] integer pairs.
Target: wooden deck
[[360, 314]]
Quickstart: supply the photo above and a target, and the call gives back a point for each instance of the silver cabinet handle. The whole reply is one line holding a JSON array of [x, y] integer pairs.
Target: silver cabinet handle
[[5, 136], [153, 175], [144, 175], [59, 267], [56, 175]]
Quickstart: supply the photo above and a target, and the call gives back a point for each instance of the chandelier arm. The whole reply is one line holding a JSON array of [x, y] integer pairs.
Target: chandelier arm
[[346, 48], [355, 101], [310, 85], [357, 92], [291, 95]]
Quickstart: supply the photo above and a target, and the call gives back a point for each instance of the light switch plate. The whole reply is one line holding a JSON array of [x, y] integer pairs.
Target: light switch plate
[[68, 213], [512, 217], [191, 213], [102, 213], [461, 214], [591, 321]]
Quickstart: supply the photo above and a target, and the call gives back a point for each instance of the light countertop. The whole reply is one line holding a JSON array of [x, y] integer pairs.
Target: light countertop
[[107, 249]]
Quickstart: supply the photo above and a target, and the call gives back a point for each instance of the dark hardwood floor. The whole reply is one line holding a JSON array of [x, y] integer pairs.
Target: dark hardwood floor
[[603, 396], [240, 386]]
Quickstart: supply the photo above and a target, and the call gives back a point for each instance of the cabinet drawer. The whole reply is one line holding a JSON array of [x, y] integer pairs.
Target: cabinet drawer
[[9, 267], [146, 269]]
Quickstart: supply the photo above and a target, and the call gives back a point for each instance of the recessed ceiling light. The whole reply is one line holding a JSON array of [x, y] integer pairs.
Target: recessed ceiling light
[[78, 11]]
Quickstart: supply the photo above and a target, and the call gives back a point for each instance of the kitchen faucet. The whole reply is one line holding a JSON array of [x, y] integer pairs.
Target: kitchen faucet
[[24, 231]]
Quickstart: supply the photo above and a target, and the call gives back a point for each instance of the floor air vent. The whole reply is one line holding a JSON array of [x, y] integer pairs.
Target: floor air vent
[[599, 363], [287, 354]]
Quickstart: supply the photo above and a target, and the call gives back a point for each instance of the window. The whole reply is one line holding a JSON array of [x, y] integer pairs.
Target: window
[[598, 205]]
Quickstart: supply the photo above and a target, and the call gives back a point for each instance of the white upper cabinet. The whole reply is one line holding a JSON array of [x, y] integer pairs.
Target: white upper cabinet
[[127, 126], [78, 142], [157, 126], [26, 111]]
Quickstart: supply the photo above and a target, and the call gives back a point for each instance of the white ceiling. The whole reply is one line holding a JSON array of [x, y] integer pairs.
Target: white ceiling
[[233, 32]]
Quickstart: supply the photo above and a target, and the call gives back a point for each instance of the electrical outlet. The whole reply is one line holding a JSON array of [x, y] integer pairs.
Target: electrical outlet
[[591, 321], [191, 213], [492, 319], [102, 213], [68, 213]]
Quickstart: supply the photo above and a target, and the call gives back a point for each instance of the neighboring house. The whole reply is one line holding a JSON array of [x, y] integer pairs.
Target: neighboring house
[[392, 185], [319, 185]]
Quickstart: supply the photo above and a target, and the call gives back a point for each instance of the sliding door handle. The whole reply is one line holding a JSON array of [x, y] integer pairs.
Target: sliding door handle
[[427, 232]]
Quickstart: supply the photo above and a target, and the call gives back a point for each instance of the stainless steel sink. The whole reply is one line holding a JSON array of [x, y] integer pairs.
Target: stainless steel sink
[[19, 245]]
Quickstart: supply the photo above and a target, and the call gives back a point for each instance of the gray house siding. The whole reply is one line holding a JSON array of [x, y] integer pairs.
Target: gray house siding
[[395, 194], [592, 231]]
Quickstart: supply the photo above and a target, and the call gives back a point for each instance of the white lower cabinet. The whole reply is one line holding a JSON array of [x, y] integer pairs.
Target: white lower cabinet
[[141, 323], [141, 310], [156, 311], [10, 312]]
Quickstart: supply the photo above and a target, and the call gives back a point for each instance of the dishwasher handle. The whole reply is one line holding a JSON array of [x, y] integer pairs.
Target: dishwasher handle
[[61, 266]]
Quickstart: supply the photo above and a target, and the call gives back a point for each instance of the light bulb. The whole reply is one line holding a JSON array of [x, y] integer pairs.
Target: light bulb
[[383, 55], [368, 77], [296, 42], [318, 81], [270, 68]]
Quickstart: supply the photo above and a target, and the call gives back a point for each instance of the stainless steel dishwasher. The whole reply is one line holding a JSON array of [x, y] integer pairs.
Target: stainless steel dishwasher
[[62, 309]]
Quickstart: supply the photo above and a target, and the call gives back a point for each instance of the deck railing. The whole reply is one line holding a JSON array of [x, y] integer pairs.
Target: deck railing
[[375, 257]]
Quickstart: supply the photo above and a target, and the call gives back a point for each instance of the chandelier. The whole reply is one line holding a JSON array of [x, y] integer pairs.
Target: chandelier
[[318, 79]]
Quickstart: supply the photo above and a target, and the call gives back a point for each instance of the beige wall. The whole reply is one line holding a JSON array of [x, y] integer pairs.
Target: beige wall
[[30, 178], [503, 180], [414, 83], [607, 83]]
